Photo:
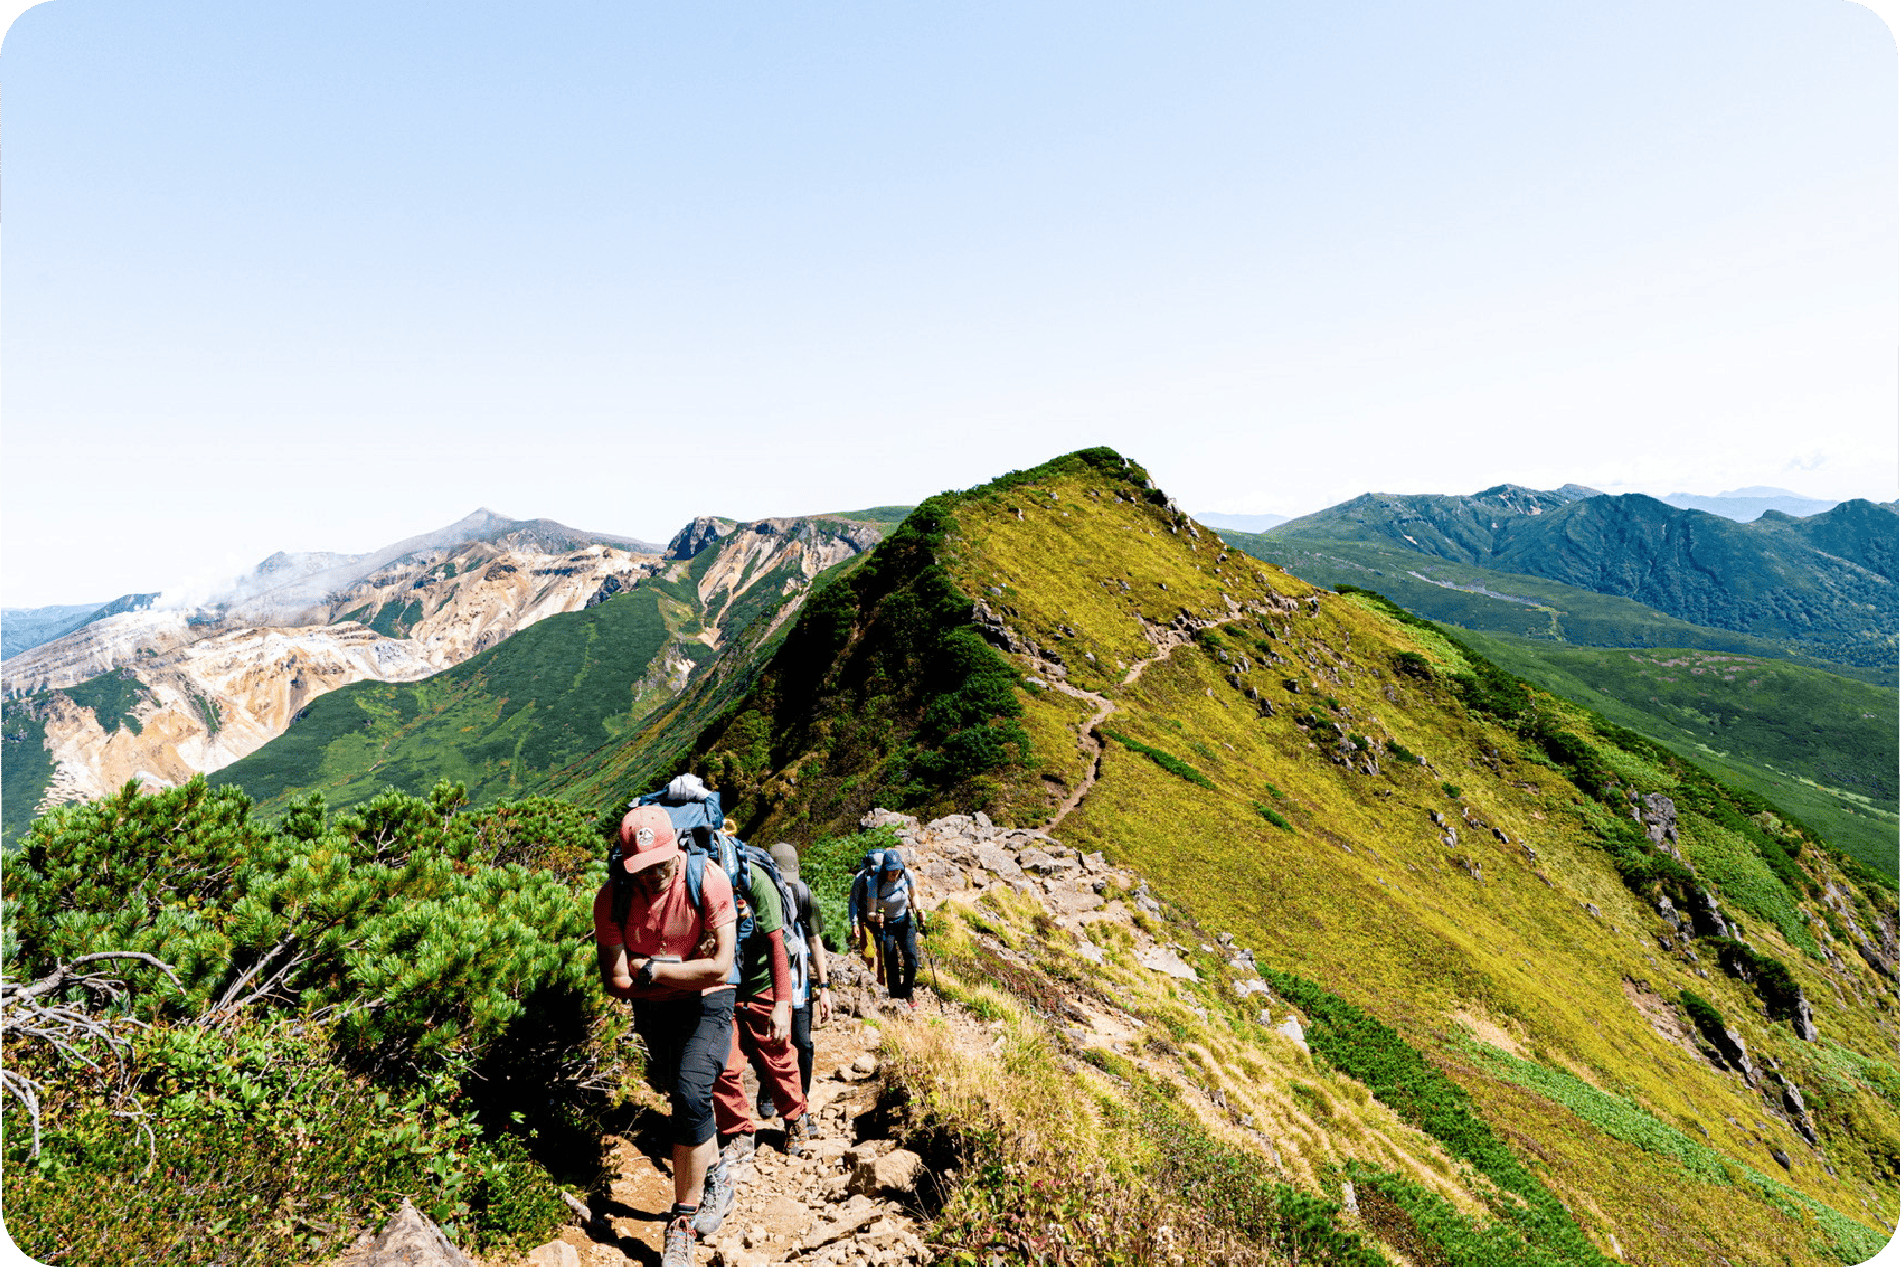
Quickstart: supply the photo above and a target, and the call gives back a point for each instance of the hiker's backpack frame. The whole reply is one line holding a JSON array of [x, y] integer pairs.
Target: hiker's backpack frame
[[700, 826]]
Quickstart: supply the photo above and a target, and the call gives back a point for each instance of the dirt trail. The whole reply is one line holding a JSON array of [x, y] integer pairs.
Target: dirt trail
[[827, 1207], [1166, 638]]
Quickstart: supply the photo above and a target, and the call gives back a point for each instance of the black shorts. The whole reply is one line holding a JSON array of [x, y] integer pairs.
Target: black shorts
[[688, 1041]]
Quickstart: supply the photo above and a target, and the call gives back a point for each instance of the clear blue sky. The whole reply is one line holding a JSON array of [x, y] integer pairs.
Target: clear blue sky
[[320, 276]]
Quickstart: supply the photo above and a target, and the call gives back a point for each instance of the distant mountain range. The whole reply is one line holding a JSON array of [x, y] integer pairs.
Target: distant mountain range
[[23, 628], [1823, 586], [1745, 504], [509, 716], [132, 691], [1551, 576]]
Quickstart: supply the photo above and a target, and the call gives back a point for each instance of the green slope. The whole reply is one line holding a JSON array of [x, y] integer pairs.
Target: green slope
[[932, 678], [1822, 746], [1825, 585], [1513, 603], [495, 722], [610, 775], [27, 766]]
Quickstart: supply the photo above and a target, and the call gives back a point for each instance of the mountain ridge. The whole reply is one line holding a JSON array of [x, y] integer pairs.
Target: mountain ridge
[[1825, 584], [1282, 904], [1366, 804]]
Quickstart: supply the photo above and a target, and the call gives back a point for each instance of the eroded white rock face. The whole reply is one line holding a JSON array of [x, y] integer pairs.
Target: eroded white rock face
[[217, 682], [211, 693]]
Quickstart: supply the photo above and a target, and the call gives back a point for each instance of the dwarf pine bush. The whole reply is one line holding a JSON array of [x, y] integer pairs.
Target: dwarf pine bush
[[340, 982]]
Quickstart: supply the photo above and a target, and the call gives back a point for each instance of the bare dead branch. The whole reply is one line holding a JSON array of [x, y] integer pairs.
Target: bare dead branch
[[63, 975], [29, 1093], [137, 1117]]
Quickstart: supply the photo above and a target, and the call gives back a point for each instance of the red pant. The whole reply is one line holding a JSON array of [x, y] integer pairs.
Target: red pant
[[732, 1113]]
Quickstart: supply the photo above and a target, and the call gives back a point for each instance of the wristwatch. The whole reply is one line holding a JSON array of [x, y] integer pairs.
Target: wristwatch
[[645, 975]]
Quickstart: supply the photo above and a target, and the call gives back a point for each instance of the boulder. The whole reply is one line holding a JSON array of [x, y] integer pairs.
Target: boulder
[[1658, 814], [894, 1174], [1292, 1029], [553, 1254], [1164, 959], [409, 1239], [1804, 1018], [1043, 863], [991, 858]]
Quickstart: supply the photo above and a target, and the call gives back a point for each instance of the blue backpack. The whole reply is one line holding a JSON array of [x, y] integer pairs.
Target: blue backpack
[[700, 825]]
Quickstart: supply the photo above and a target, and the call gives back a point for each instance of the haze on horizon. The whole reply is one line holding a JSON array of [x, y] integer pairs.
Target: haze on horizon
[[324, 278]]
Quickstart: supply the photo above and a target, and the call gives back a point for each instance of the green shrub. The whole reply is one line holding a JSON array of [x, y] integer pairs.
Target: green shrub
[[367, 1005], [1173, 764], [827, 866], [1271, 816], [1767, 975], [1703, 1014]]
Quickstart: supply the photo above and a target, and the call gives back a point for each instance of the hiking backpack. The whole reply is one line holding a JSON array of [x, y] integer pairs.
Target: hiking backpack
[[798, 954], [700, 824]]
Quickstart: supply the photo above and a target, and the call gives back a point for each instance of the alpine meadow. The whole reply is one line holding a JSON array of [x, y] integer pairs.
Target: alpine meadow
[[1291, 898]]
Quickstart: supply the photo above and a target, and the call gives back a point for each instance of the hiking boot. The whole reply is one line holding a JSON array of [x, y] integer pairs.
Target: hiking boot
[[797, 1132], [738, 1148], [763, 1108], [680, 1241], [716, 1200]]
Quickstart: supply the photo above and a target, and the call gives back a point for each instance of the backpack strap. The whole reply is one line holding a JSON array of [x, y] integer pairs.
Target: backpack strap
[[695, 888]]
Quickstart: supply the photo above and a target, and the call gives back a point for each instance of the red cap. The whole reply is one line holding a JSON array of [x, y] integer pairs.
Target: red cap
[[647, 838]]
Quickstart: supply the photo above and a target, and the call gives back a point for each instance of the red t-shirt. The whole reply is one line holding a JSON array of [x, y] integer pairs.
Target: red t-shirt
[[667, 925]]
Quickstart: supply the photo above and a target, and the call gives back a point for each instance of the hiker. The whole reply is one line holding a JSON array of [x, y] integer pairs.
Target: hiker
[[664, 930], [762, 1016], [891, 897], [811, 922]]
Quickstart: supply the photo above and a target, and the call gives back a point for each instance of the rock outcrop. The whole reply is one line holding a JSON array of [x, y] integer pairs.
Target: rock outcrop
[[409, 1239]]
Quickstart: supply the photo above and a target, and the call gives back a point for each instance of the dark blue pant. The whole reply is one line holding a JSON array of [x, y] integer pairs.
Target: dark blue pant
[[801, 1043], [688, 1041], [900, 956]]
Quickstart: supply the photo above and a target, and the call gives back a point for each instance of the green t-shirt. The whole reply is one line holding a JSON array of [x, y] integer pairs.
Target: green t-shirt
[[755, 963]]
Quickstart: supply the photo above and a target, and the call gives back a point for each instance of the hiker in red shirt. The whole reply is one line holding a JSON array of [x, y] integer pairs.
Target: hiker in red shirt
[[663, 927]]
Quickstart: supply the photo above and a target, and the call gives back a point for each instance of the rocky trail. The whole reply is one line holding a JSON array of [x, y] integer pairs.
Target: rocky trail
[[854, 1198], [850, 1200]]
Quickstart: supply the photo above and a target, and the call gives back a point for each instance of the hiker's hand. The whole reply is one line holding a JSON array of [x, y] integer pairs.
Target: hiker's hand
[[824, 1005], [781, 1021]]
